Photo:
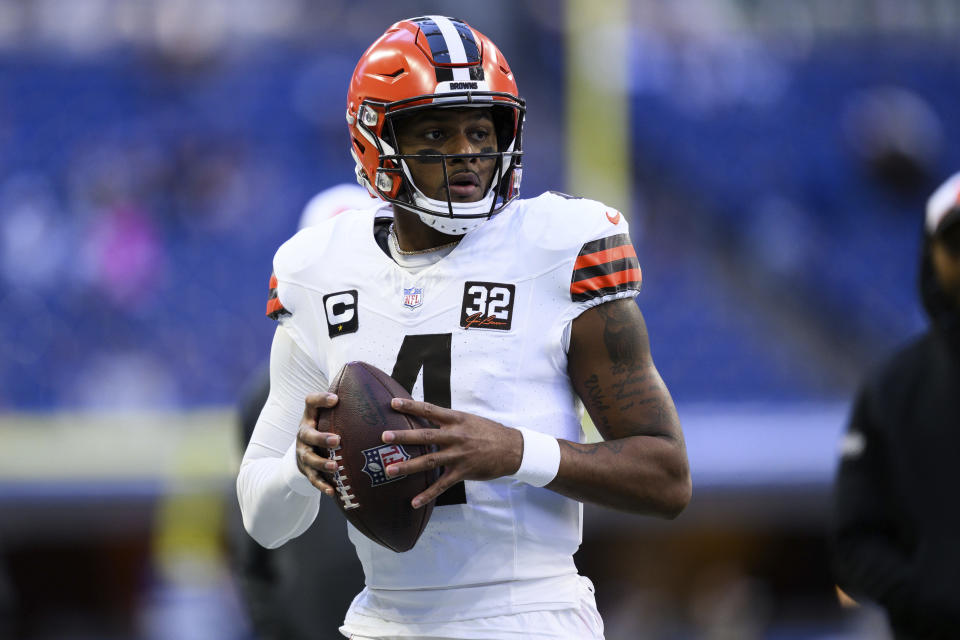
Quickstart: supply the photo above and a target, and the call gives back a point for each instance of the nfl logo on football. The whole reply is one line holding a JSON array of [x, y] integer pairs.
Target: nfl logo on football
[[377, 459], [413, 297]]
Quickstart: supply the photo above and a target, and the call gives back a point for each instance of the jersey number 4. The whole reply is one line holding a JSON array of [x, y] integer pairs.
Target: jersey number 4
[[431, 353]]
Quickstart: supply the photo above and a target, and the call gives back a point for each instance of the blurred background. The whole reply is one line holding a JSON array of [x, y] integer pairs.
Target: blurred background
[[774, 158]]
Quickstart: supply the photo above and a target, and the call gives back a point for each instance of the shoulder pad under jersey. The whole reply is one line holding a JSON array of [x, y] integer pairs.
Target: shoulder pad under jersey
[[594, 238], [556, 221]]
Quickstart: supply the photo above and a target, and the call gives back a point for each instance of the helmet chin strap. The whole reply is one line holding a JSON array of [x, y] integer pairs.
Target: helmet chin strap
[[442, 222]]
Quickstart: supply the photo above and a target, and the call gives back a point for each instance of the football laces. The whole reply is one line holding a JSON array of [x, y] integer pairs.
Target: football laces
[[340, 479]]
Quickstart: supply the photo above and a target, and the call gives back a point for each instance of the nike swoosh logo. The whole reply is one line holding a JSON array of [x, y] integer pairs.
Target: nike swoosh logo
[[614, 219]]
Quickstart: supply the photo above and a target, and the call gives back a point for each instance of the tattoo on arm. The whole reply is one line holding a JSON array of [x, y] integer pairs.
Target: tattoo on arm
[[594, 393], [614, 446], [620, 337], [631, 385]]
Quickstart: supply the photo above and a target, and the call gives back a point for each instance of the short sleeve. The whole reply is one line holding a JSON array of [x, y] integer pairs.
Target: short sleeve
[[292, 299], [275, 308], [605, 267], [589, 254]]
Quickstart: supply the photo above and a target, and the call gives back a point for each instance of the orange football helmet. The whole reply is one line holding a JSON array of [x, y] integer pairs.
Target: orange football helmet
[[426, 63]]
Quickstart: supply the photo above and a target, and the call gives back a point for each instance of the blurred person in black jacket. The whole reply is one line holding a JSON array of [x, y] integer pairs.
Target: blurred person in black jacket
[[896, 523], [307, 584]]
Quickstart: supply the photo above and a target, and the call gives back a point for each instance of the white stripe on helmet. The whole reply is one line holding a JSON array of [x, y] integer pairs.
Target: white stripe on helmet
[[458, 54]]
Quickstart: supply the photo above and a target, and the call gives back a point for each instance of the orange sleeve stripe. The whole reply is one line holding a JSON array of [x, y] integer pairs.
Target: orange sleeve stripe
[[273, 281], [609, 280], [273, 306], [604, 256]]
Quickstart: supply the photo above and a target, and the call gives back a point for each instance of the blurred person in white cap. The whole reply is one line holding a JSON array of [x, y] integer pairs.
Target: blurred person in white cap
[[283, 589], [333, 201], [896, 536]]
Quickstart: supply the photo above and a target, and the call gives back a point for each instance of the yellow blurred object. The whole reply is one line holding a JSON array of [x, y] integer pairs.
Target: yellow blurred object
[[589, 429], [180, 448], [598, 114], [189, 458], [186, 546]]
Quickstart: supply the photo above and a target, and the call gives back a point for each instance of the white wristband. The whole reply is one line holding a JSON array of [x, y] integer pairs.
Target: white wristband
[[541, 458]]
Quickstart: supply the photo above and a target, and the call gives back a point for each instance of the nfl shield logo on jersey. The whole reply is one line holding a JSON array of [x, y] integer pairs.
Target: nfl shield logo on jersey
[[377, 459], [412, 297]]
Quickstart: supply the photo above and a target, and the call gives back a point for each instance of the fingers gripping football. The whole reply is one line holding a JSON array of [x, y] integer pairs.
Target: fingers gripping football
[[312, 436], [467, 446]]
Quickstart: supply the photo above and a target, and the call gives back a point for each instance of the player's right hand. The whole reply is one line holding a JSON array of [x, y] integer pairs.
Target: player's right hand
[[313, 438]]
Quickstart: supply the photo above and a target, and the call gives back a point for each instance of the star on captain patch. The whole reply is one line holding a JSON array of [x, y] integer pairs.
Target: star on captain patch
[[412, 297]]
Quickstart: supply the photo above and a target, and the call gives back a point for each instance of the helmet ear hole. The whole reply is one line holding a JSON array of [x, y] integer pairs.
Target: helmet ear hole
[[359, 146]]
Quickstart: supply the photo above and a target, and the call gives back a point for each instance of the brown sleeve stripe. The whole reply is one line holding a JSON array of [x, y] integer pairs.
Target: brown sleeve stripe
[[605, 266], [605, 285], [606, 261], [274, 306], [604, 255]]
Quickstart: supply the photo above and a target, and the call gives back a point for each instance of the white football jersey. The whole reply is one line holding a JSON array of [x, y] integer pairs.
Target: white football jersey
[[483, 330]]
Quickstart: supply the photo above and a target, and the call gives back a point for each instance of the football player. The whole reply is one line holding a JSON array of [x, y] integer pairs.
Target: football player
[[498, 313]]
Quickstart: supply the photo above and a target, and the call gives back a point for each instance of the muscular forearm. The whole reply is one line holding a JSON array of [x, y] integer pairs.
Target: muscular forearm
[[640, 474], [642, 464]]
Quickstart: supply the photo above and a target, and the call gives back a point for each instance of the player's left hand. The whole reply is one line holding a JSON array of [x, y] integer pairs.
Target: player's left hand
[[467, 446]]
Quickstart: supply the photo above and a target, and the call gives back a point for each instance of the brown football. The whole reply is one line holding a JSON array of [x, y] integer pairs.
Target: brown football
[[377, 505]]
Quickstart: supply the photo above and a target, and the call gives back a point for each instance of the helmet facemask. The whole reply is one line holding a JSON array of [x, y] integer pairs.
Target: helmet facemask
[[394, 181]]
